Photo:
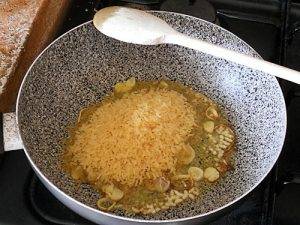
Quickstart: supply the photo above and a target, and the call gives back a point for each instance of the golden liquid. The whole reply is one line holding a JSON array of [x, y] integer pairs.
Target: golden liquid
[[200, 141]]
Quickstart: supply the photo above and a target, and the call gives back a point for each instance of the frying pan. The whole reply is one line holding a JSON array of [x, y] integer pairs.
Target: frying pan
[[80, 67]]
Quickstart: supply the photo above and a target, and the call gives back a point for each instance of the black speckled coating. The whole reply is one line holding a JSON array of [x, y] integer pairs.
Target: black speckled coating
[[83, 65]]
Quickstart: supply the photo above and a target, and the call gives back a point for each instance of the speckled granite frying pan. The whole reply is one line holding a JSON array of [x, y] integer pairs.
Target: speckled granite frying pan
[[81, 67]]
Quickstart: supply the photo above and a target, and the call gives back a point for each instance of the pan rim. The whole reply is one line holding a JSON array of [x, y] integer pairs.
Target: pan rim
[[127, 219]]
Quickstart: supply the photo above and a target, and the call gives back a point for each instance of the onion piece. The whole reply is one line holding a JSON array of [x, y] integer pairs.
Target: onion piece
[[163, 84], [126, 86], [112, 192], [160, 184], [186, 155], [211, 113], [105, 204], [211, 174], [195, 173]]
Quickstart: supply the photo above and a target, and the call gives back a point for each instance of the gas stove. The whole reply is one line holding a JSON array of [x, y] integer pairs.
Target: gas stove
[[272, 28]]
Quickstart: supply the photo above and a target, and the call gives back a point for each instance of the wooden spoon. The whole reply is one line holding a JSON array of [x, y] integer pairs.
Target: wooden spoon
[[138, 27]]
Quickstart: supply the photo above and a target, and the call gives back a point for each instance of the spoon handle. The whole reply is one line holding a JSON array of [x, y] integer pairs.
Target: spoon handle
[[233, 56]]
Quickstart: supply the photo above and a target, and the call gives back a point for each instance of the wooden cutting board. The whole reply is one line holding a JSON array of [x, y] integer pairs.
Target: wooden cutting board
[[26, 28]]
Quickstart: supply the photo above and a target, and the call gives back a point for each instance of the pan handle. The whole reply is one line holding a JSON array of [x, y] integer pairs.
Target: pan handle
[[10, 133], [1, 137]]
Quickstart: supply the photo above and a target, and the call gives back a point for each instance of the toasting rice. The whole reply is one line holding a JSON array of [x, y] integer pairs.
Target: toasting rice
[[134, 138]]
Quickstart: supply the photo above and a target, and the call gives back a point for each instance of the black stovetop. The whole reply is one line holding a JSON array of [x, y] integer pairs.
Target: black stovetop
[[271, 27]]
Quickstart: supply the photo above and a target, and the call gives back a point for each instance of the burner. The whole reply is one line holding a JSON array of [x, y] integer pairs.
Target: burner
[[197, 8], [287, 205], [137, 4], [143, 2], [49, 208]]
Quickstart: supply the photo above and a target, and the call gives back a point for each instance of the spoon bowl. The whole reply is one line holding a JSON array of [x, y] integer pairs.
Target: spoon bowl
[[132, 25]]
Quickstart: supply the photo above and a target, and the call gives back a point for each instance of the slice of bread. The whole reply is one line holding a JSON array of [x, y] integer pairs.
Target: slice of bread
[[26, 27]]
